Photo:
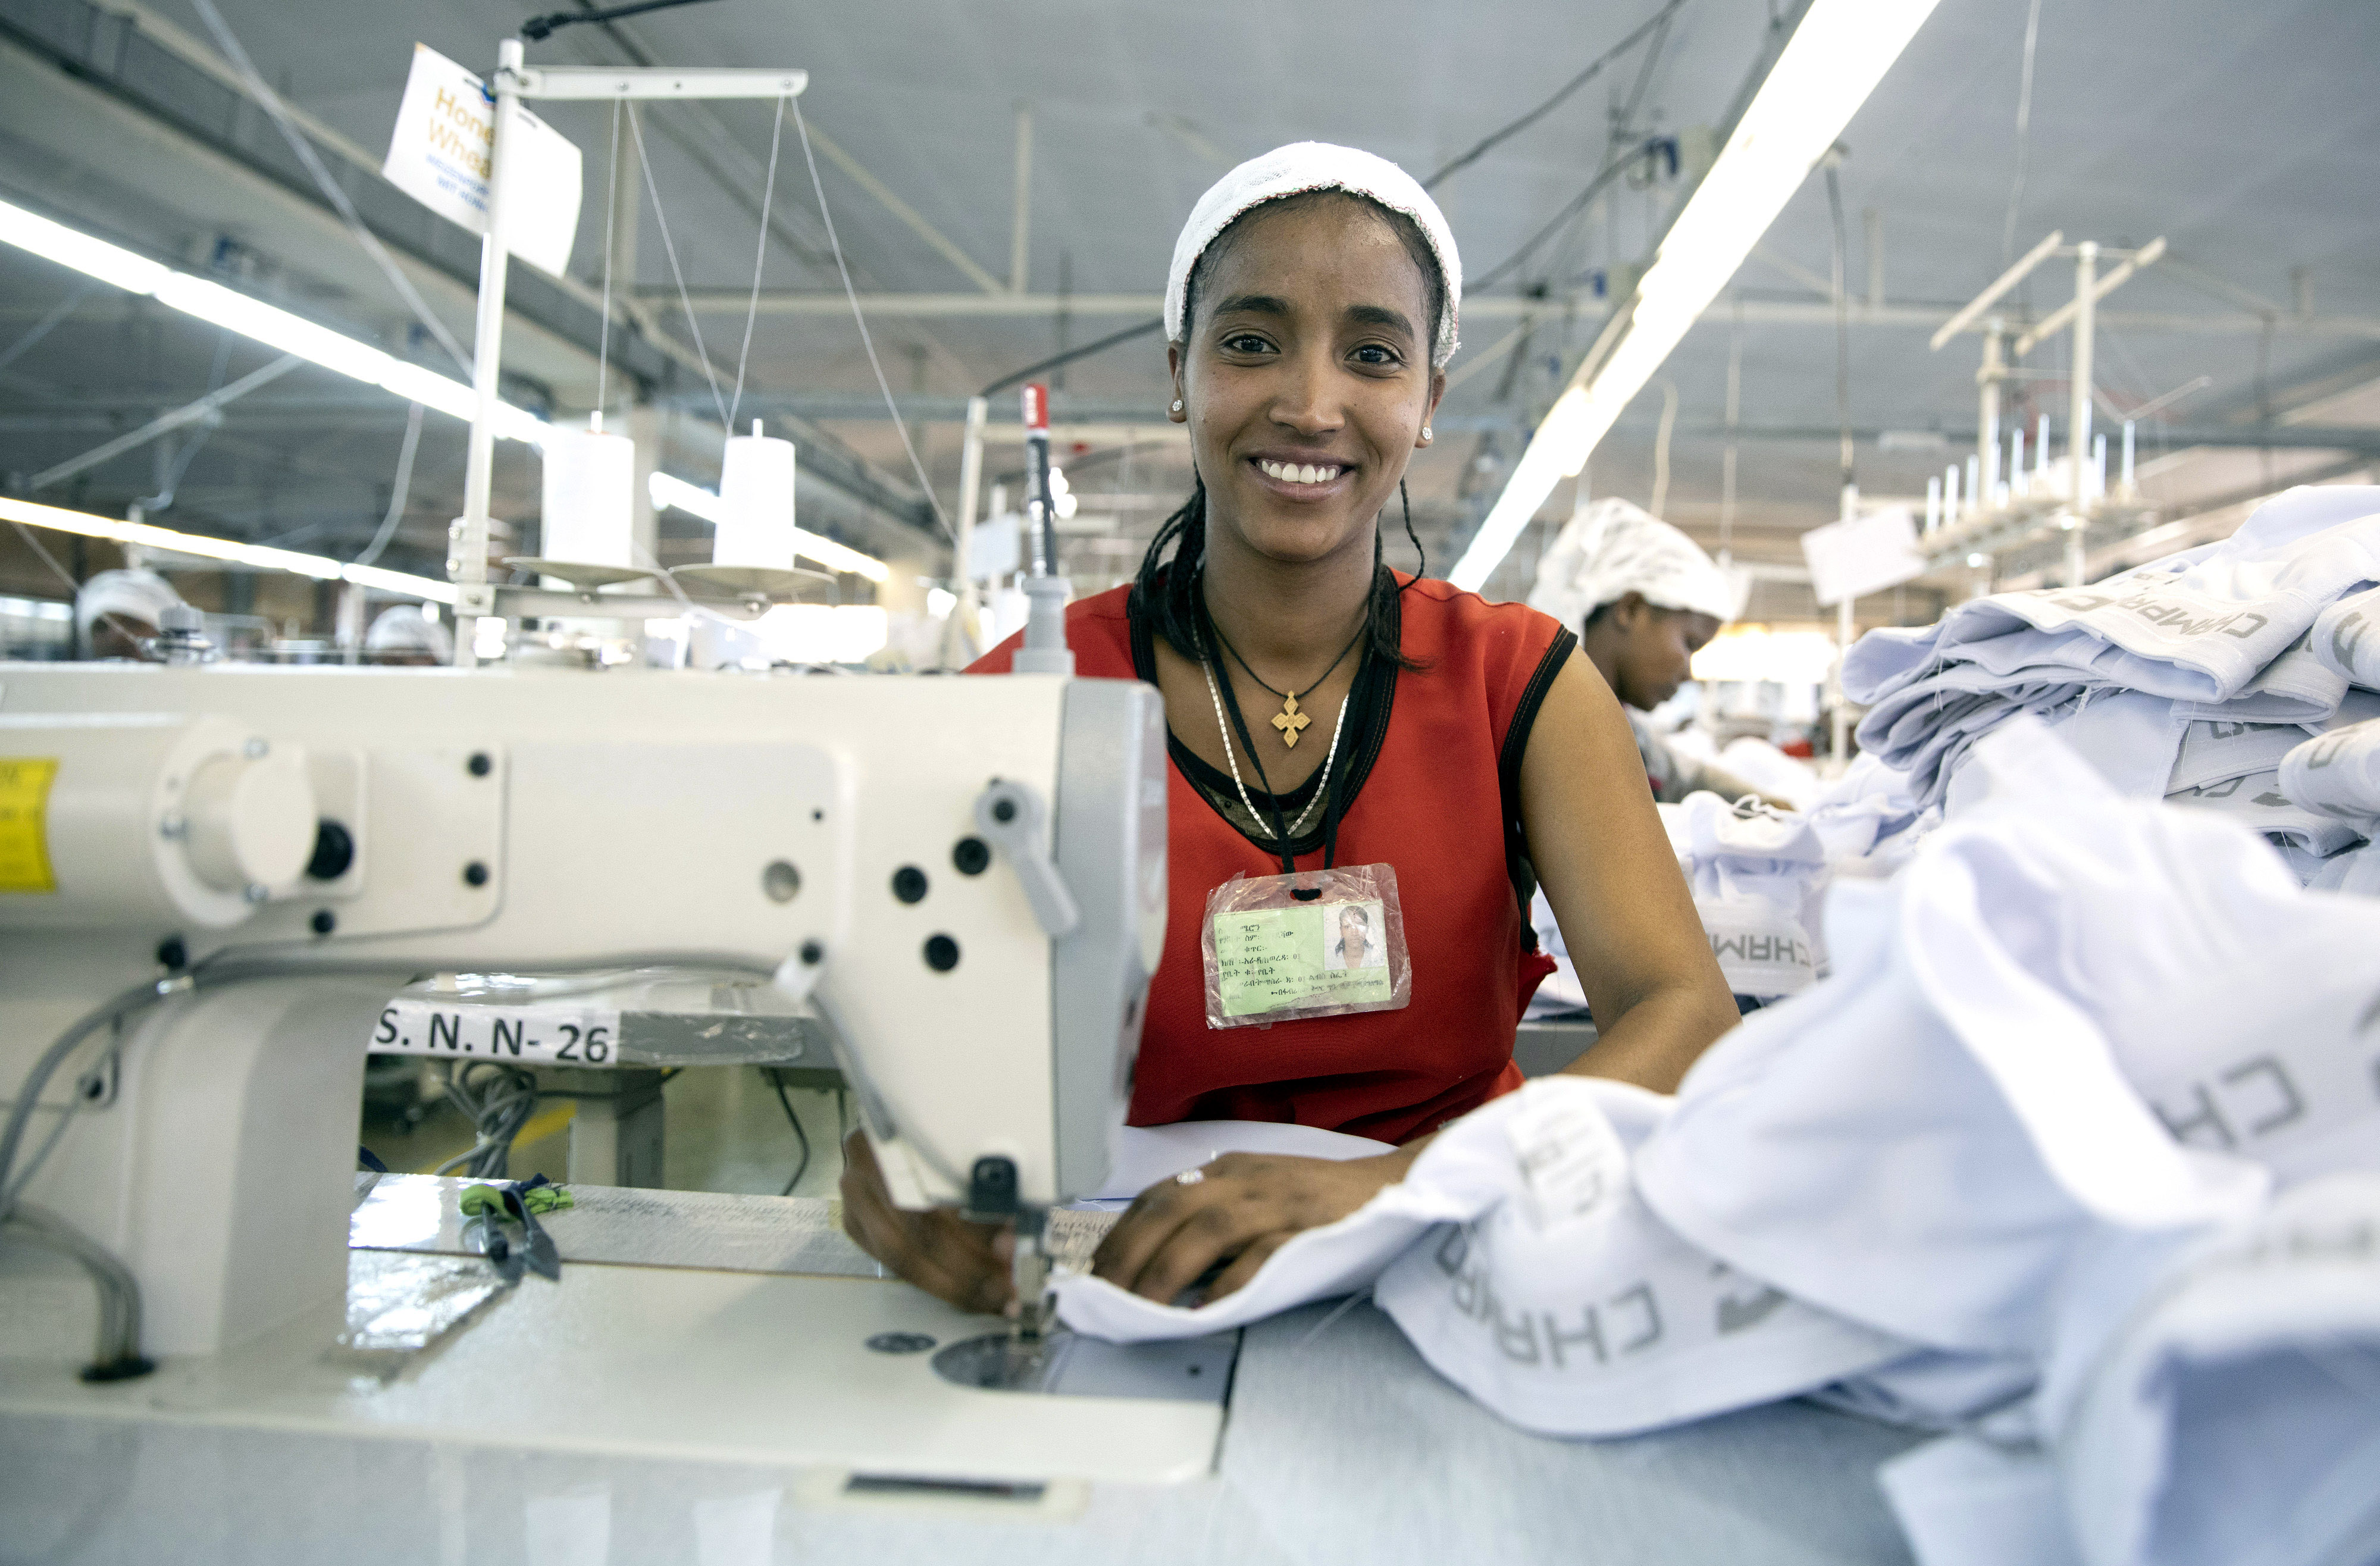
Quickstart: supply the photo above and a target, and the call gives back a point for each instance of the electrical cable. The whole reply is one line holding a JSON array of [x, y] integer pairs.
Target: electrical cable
[[539, 28], [1513, 128], [44, 326], [1071, 355], [899, 425], [400, 487], [799, 1134], [497, 1112], [270, 101], [116, 1342]]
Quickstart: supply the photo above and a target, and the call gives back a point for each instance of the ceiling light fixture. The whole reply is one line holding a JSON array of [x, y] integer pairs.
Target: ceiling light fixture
[[262, 556], [268, 324], [696, 501], [1835, 58]]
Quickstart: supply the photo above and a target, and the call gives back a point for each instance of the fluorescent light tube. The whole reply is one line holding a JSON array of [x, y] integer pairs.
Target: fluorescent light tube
[[262, 556], [696, 501], [1827, 70], [268, 324]]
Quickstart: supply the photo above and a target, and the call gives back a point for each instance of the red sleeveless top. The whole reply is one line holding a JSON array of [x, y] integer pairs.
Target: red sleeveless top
[[1440, 802]]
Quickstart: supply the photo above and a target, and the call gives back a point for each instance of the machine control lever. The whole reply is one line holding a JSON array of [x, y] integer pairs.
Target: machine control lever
[[1013, 816]]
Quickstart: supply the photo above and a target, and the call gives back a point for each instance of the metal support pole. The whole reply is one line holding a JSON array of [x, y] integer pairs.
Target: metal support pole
[[2076, 570], [1987, 413], [2078, 402], [467, 562], [1844, 625], [964, 621]]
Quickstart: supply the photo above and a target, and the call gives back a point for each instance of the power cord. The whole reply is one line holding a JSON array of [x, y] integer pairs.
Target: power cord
[[497, 1100], [800, 1136]]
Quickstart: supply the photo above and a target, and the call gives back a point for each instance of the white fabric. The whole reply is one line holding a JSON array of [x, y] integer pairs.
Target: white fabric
[[2337, 776], [2258, 802], [1770, 770], [1613, 548], [1756, 877], [1921, 1142], [2347, 638], [2222, 630], [1567, 1308], [404, 628], [1933, 1390], [2233, 1419], [1316, 165], [1962, 1502], [141, 596]]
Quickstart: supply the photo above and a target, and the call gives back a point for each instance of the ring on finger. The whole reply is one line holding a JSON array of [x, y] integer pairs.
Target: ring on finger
[[1191, 1176]]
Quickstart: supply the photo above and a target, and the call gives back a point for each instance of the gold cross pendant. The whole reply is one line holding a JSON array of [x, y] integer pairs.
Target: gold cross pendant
[[1289, 720]]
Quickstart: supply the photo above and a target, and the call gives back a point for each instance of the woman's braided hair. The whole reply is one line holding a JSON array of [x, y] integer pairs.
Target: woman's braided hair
[[1166, 589]]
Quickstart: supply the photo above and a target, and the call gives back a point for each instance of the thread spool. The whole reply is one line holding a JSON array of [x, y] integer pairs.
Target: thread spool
[[756, 504], [590, 513]]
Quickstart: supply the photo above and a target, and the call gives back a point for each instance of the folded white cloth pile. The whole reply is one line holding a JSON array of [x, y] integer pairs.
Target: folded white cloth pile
[[2334, 778], [2072, 1045], [1758, 876], [2220, 632]]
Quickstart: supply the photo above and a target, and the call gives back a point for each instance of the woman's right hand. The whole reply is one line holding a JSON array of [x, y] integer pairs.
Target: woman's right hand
[[959, 1263]]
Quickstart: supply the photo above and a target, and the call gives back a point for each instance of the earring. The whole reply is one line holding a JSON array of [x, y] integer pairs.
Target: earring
[[1425, 429], [1177, 405]]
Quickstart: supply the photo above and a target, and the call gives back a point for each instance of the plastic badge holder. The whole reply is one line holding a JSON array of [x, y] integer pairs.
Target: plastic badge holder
[[1318, 943]]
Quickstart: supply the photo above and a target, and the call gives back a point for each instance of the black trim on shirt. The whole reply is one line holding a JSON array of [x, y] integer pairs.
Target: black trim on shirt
[[1372, 698], [1508, 771]]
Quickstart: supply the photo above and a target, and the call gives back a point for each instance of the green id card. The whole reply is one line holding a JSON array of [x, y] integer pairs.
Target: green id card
[[1322, 955]]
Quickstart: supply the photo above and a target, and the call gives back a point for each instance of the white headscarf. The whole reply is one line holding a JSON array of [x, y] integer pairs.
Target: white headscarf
[[1316, 165], [1612, 548], [137, 595], [405, 629]]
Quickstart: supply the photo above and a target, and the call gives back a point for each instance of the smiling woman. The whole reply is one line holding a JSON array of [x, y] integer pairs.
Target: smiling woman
[[1464, 755]]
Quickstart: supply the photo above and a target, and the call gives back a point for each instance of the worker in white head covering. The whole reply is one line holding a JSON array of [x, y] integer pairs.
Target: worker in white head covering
[[117, 613], [1642, 599], [404, 634]]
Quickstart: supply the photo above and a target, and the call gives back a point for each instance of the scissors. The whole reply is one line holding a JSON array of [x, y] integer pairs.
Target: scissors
[[494, 1203]]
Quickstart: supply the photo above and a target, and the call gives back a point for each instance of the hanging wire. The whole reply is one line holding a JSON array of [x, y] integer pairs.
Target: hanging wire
[[2023, 135], [759, 255], [400, 489], [899, 424], [1659, 19], [611, 238], [333, 192], [669, 247], [777, 1081]]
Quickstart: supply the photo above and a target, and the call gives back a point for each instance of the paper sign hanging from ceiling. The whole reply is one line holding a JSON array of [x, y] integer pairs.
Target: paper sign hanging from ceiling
[[439, 156], [1864, 554]]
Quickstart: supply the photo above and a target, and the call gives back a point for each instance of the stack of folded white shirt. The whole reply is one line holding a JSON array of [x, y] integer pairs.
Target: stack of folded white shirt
[[1758, 876], [2220, 632]]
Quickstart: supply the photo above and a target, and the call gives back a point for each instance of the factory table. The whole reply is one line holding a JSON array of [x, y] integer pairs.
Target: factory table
[[1341, 1446]]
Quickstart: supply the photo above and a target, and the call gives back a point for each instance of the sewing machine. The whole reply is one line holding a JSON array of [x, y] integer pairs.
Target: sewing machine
[[966, 878]]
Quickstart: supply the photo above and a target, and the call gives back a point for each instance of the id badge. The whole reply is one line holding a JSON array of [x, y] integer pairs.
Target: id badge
[[1274, 956]]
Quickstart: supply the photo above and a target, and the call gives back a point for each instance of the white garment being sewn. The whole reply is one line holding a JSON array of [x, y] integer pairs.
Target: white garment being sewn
[[1567, 1308]]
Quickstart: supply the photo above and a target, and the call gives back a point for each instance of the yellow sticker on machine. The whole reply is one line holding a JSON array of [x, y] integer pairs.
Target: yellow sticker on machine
[[24, 823]]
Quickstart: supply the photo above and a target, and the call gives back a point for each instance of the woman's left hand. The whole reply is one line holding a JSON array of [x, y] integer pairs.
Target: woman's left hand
[[1244, 1207]]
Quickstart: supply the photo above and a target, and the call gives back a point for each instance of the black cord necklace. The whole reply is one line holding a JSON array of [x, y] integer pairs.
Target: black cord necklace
[[1288, 719]]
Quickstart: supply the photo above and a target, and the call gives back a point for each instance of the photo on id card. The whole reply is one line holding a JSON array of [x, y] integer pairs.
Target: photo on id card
[[1316, 943]]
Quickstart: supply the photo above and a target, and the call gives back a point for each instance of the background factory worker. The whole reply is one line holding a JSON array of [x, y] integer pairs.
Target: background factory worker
[[116, 613], [1311, 310], [403, 634], [1644, 599]]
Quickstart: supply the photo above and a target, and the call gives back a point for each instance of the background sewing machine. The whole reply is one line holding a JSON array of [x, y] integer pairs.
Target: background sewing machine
[[965, 879]]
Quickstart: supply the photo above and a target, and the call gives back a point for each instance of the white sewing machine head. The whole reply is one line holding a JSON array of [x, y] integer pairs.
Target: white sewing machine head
[[966, 878]]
